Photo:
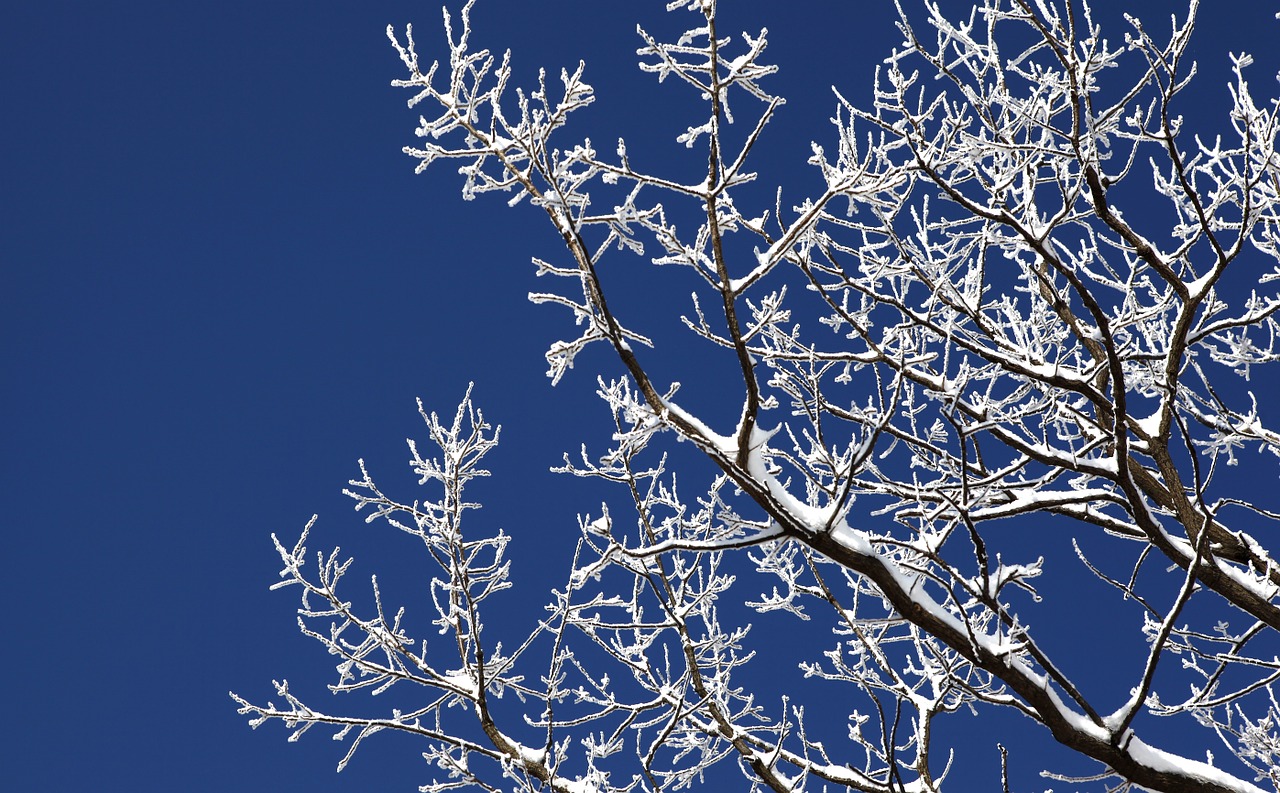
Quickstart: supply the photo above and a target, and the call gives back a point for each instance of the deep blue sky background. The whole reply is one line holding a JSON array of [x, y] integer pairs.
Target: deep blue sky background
[[221, 284]]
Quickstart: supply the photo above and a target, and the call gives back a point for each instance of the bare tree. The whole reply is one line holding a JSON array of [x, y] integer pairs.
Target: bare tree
[[998, 328]]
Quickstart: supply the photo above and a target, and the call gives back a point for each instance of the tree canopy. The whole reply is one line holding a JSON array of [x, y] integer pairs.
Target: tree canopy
[[1023, 299]]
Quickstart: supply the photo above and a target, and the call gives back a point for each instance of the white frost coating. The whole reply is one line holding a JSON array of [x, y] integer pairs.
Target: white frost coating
[[1172, 763], [1196, 288], [1262, 588], [1078, 721], [815, 519], [529, 755], [721, 443], [856, 541], [1151, 424], [1026, 499], [463, 682]]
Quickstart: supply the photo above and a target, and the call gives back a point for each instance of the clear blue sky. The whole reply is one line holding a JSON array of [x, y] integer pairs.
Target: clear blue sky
[[221, 284]]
